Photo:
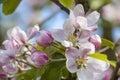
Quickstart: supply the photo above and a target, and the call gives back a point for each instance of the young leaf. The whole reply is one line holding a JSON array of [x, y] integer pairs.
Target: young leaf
[[99, 56], [102, 57], [108, 43], [9, 6], [53, 71], [66, 3]]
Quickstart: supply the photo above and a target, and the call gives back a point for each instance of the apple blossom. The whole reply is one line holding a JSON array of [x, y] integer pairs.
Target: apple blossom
[[20, 36], [84, 22], [44, 39], [86, 67], [39, 58]]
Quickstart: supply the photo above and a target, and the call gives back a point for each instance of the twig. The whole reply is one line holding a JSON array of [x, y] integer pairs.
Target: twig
[[61, 6], [115, 72], [103, 50], [56, 60]]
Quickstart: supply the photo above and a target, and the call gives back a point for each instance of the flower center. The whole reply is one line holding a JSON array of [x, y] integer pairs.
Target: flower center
[[81, 62]]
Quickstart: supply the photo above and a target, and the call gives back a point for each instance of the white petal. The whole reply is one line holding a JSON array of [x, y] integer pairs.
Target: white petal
[[82, 22], [68, 26], [79, 10], [59, 35], [85, 46], [85, 74], [72, 53], [93, 18], [71, 15], [71, 65], [97, 65], [67, 43]]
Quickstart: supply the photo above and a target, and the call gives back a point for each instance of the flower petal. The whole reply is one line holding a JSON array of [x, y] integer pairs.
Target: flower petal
[[67, 43], [71, 65], [82, 22], [68, 26], [59, 35], [85, 74], [32, 31], [93, 18], [72, 53], [17, 34], [79, 10], [97, 65]]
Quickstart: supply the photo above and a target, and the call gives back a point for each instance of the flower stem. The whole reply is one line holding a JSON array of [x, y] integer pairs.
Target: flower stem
[[57, 60]]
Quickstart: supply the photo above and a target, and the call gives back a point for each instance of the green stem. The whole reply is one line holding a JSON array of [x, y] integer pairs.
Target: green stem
[[57, 60]]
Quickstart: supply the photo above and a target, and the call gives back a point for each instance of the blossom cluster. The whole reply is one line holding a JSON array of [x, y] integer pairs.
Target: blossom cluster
[[76, 38]]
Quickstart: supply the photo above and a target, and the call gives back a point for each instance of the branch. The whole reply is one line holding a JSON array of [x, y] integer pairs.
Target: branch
[[61, 6], [115, 72]]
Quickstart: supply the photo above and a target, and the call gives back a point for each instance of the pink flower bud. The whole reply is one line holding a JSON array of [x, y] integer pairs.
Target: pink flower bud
[[39, 58], [96, 40], [3, 76], [45, 38]]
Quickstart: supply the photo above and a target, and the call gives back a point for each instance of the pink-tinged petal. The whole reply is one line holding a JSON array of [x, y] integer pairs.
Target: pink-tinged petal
[[85, 74], [93, 18], [10, 68], [96, 65], [108, 73], [82, 22], [79, 10], [59, 35], [45, 38], [68, 26], [72, 53], [11, 44], [87, 46], [32, 31], [17, 34], [96, 40], [71, 65], [4, 57], [85, 34]]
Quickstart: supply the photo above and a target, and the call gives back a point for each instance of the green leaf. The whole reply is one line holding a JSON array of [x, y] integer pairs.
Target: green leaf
[[66, 3], [102, 57], [53, 71], [108, 43], [113, 63], [65, 72], [31, 74], [99, 56], [9, 6], [2, 1]]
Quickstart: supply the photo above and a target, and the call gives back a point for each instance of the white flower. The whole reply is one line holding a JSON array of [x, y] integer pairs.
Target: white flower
[[87, 68], [85, 22]]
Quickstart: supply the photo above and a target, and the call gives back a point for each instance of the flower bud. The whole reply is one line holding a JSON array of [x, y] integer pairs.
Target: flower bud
[[45, 38], [3, 76], [39, 58], [96, 40]]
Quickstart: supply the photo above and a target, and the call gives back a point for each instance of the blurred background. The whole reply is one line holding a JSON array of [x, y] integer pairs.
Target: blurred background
[[49, 16]]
